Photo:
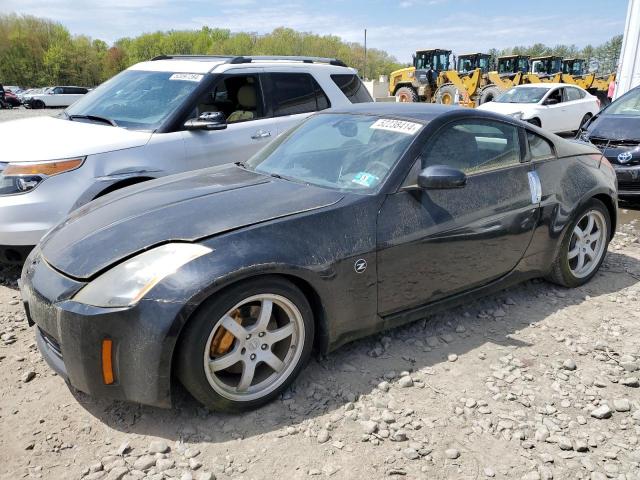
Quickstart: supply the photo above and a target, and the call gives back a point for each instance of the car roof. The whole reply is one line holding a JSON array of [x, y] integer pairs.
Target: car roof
[[422, 112], [547, 85], [209, 63]]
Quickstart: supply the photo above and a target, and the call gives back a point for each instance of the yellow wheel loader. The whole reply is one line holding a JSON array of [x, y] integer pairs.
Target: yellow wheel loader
[[511, 72], [546, 69], [464, 82], [419, 82]]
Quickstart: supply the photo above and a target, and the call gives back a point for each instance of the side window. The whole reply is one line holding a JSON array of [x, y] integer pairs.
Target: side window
[[473, 146], [352, 88], [556, 95], [294, 93], [238, 97], [572, 94], [58, 90], [539, 148]]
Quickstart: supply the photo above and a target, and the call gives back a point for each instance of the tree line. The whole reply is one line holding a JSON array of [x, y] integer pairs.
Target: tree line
[[39, 52]]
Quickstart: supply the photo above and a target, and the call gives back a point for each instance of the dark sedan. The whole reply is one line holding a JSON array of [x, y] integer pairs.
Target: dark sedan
[[357, 220], [616, 132]]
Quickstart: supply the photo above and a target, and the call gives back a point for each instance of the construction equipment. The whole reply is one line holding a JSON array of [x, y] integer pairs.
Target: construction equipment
[[469, 62], [419, 82], [511, 71], [545, 69]]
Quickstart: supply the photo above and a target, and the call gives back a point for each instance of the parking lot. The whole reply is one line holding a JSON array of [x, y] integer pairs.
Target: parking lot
[[536, 382]]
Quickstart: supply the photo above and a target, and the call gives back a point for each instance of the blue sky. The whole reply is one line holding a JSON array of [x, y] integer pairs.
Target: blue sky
[[399, 26]]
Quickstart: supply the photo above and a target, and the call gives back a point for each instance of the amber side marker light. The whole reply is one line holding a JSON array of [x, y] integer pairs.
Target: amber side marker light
[[45, 168], [107, 363]]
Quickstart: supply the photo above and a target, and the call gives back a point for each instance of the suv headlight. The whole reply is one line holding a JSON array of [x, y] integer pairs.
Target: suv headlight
[[126, 283], [24, 177]]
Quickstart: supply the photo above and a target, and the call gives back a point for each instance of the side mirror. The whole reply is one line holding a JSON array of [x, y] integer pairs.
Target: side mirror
[[207, 121], [551, 101], [440, 177]]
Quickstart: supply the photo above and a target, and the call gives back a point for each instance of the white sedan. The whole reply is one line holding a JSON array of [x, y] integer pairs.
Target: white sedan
[[556, 107]]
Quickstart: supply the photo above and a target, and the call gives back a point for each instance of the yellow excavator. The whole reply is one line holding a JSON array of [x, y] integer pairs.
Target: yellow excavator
[[431, 79]]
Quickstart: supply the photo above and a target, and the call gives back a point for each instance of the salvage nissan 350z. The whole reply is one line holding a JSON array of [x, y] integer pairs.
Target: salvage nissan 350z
[[359, 219]]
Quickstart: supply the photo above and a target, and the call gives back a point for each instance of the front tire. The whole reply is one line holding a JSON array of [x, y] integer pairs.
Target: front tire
[[446, 94], [406, 95], [38, 104], [246, 345], [583, 247], [489, 94]]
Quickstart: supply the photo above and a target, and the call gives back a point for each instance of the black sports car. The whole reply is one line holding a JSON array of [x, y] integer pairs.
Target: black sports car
[[616, 132], [357, 220]]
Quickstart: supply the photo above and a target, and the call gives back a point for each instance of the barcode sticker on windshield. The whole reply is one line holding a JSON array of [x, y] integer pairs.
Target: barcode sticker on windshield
[[400, 126], [189, 77]]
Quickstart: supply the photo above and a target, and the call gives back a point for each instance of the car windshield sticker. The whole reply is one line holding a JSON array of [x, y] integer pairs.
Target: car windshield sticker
[[189, 77], [365, 179], [400, 126]]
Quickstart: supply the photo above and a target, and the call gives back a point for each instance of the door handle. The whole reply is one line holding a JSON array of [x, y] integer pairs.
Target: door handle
[[261, 134]]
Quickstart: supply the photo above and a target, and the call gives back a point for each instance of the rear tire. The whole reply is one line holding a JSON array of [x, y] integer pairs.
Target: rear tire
[[406, 95], [38, 104], [583, 247], [446, 94], [489, 94], [584, 120], [268, 342]]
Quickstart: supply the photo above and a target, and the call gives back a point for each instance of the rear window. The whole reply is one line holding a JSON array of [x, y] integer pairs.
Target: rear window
[[352, 88], [295, 93]]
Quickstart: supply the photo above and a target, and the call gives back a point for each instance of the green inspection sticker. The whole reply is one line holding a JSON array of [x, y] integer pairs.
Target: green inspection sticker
[[366, 179]]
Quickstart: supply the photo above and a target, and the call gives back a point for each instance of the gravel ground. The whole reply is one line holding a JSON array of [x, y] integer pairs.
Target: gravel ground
[[537, 382]]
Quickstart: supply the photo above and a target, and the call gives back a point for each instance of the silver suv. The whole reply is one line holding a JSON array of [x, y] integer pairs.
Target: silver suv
[[168, 115]]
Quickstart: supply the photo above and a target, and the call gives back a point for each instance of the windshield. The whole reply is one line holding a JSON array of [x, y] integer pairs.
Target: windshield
[[522, 95], [338, 151], [626, 105], [137, 99], [440, 61]]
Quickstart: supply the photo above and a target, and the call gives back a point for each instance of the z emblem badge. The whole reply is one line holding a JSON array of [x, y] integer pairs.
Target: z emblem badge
[[360, 265]]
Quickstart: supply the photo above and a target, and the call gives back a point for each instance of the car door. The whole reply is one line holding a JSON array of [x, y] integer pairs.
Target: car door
[[54, 98], [292, 97], [436, 243], [553, 115], [249, 126], [575, 108]]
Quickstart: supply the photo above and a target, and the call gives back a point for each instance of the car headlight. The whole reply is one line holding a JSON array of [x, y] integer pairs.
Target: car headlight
[[126, 283], [517, 115], [24, 177]]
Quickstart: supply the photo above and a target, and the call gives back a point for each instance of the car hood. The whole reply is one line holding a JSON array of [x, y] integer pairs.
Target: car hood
[[506, 108], [185, 207], [57, 139], [615, 127]]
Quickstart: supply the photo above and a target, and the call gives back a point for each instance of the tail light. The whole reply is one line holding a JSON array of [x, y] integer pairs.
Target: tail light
[[606, 163]]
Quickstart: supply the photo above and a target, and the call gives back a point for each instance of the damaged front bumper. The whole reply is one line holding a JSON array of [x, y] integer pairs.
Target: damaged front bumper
[[70, 336]]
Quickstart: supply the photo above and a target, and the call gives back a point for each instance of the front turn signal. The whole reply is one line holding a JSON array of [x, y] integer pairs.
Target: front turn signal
[[47, 169]]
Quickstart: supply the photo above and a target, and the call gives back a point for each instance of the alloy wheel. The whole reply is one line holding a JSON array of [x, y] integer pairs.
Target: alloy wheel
[[587, 244], [254, 347]]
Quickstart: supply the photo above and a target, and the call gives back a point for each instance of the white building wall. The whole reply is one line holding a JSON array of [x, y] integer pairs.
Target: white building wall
[[628, 75]]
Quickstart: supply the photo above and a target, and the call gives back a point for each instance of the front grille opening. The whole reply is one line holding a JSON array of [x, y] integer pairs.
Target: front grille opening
[[51, 342]]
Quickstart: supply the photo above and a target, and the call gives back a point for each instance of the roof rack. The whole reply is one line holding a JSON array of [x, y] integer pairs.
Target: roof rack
[[254, 58]]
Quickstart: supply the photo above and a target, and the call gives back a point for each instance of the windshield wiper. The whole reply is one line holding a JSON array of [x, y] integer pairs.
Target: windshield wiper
[[97, 118]]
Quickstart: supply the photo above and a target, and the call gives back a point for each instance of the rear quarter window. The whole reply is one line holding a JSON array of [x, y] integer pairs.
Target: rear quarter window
[[539, 148], [352, 88]]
